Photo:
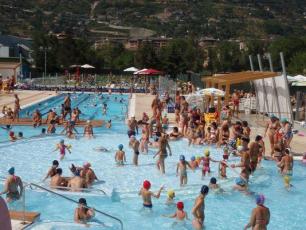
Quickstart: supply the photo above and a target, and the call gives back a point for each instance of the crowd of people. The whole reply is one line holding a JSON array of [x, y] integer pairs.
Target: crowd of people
[[233, 137]]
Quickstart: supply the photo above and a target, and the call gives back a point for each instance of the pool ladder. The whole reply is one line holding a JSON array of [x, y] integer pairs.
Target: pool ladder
[[31, 185]]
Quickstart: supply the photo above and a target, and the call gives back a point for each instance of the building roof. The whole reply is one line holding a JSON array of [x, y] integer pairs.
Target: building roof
[[240, 77], [9, 65]]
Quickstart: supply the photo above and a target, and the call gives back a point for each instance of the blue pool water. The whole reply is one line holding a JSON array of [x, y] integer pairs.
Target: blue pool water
[[230, 210]]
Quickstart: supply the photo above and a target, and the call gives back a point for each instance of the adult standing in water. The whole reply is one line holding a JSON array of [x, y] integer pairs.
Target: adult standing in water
[[271, 129], [82, 213], [5, 219], [132, 127], [67, 106], [198, 209], [260, 216], [162, 152], [11, 186]]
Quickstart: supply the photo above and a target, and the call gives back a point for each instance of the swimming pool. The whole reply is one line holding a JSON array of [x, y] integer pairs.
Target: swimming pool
[[230, 210]]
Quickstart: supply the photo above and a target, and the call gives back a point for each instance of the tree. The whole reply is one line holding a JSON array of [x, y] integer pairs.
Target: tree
[[297, 63]]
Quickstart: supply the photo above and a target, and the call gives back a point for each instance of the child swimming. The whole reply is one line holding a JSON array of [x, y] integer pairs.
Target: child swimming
[[62, 148], [120, 156], [170, 198], [193, 163], [182, 168], [147, 194], [180, 214]]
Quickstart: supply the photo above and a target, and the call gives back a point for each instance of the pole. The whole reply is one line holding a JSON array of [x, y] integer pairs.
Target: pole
[[45, 63], [251, 62], [284, 75], [274, 86], [266, 105]]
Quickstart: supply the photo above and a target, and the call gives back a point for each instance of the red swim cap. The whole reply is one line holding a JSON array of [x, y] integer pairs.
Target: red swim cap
[[147, 184], [180, 205], [11, 133]]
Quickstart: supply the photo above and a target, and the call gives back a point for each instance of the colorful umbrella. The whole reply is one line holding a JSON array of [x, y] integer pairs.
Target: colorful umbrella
[[150, 72], [211, 92]]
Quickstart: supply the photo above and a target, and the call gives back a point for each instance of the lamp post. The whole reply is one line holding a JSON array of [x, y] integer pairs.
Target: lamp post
[[45, 49]]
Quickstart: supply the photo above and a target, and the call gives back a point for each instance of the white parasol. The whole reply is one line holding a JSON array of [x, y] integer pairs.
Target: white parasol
[[86, 66], [211, 92], [131, 69]]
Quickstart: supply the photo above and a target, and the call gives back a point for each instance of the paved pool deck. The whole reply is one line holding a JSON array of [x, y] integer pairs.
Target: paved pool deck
[[27, 97]]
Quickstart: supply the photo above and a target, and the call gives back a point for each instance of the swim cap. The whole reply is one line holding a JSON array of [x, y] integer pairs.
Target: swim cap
[[82, 201], [147, 184], [11, 133], [62, 141], [120, 147], [180, 205], [206, 152], [182, 157], [171, 193], [193, 158], [260, 199], [87, 165], [240, 181], [213, 180], [11, 171], [204, 190], [225, 149], [55, 162], [273, 116], [284, 120], [77, 173]]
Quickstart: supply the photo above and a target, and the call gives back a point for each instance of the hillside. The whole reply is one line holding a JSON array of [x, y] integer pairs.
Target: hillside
[[221, 19]]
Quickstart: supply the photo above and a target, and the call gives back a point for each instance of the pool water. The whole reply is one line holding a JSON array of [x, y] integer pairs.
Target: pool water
[[230, 210]]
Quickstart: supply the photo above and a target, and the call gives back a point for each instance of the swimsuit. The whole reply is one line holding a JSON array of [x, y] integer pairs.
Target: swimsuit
[[136, 152], [62, 150], [183, 173], [148, 205]]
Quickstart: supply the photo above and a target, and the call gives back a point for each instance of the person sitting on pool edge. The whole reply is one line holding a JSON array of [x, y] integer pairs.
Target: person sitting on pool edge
[[147, 194], [260, 216], [120, 156], [11, 185], [82, 213]]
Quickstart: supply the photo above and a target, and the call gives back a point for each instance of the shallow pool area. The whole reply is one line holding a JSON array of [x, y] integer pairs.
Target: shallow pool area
[[229, 210]]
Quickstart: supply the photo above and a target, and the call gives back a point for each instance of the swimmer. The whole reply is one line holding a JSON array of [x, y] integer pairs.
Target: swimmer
[[214, 186], [206, 163], [241, 186], [12, 136], [62, 148], [198, 209], [108, 124], [52, 170], [88, 174], [170, 197], [20, 135], [101, 149], [182, 168], [88, 130], [222, 167], [76, 183], [134, 144], [11, 185], [147, 194], [57, 180], [120, 156], [7, 127], [286, 164], [180, 214], [82, 213], [260, 216], [193, 163]]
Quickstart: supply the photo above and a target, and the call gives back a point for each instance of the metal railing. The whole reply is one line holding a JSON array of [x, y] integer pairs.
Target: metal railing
[[31, 185]]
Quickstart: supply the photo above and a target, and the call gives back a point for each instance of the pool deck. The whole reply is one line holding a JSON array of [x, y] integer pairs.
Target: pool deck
[[140, 103], [26, 97]]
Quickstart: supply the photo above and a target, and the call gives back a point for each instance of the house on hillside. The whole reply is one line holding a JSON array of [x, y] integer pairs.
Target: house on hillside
[[16, 50]]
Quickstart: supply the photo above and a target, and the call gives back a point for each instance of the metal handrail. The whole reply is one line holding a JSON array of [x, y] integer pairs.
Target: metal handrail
[[66, 222], [63, 196], [71, 200]]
